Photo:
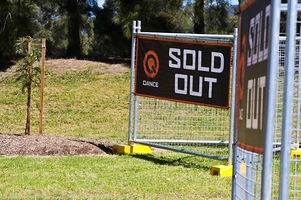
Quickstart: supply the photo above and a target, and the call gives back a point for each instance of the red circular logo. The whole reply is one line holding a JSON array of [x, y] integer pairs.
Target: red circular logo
[[151, 64]]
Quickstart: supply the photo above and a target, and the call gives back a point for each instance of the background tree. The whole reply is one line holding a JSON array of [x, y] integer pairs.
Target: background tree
[[23, 21], [199, 17], [218, 18], [82, 29], [155, 15], [73, 31], [73, 20]]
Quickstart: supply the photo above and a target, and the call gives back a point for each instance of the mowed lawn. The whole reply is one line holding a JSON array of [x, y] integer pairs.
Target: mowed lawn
[[93, 102]]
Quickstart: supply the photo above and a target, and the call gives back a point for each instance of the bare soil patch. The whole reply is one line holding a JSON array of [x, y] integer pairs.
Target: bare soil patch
[[62, 66], [52, 145]]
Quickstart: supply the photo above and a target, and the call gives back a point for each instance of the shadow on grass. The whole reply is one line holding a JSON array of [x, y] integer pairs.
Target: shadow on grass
[[187, 161]]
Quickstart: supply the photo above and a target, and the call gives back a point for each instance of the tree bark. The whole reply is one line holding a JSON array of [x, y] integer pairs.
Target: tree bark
[[74, 47], [27, 128], [199, 19]]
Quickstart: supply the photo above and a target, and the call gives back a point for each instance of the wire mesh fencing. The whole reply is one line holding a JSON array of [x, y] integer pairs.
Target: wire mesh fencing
[[182, 127], [294, 189]]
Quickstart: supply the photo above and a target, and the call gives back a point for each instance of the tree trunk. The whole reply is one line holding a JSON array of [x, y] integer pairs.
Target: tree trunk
[[27, 128], [199, 19], [74, 47]]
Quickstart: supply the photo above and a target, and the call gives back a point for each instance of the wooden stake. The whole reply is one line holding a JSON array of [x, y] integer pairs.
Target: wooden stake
[[42, 84]]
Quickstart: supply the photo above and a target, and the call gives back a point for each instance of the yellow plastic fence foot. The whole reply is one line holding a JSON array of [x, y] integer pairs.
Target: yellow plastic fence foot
[[296, 153], [221, 170], [121, 149], [132, 149], [226, 170], [140, 149]]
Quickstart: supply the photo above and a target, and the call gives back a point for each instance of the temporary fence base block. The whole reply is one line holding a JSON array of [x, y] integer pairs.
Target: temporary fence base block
[[121, 149], [221, 170], [132, 149], [141, 149], [296, 153]]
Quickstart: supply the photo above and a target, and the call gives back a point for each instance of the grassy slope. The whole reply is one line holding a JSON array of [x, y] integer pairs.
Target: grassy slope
[[76, 104], [90, 104]]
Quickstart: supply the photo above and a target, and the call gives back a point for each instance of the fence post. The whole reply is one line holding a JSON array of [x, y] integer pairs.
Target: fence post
[[271, 100], [136, 26], [234, 156], [299, 93], [288, 99], [233, 92]]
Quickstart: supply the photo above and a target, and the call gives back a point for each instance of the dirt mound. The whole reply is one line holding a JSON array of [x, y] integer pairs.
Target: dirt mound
[[61, 66], [50, 145]]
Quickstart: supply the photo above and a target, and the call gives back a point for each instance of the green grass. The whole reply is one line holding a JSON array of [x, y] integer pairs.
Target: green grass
[[160, 176], [95, 105]]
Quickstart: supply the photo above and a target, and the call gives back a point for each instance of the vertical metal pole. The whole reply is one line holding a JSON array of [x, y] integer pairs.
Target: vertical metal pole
[[271, 99], [136, 104], [234, 131], [132, 82], [233, 92], [299, 94], [288, 95], [42, 85]]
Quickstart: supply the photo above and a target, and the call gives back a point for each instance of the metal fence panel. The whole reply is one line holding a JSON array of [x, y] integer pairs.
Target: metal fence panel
[[248, 180], [186, 128], [294, 190]]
